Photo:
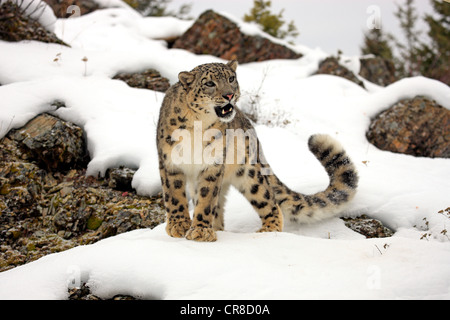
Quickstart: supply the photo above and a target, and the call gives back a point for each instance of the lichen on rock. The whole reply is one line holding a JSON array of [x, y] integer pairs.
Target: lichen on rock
[[54, 143], [418, 127], [368, 227], [332, 66], [147, 79], [217, 35], [45, 209]]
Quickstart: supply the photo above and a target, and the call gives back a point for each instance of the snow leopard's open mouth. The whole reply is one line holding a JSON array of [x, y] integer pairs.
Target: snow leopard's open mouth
[[225, 111]]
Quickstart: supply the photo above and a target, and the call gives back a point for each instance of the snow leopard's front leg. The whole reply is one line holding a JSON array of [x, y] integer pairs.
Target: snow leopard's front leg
[[175, 202], [206, 201]]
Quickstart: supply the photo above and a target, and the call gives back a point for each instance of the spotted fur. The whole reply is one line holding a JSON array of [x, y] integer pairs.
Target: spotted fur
[[207, 95]]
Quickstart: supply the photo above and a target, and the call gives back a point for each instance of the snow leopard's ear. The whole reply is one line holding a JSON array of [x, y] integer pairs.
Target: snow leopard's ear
[[186, 79], [233, 65]]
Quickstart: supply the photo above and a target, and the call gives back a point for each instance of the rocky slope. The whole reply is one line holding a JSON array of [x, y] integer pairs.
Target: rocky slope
[[48, 204]]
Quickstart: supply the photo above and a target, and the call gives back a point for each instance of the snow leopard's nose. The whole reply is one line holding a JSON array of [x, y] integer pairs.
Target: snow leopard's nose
[[228, 96]]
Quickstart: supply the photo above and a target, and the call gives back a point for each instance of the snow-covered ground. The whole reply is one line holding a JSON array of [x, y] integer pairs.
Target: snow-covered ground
[[324, 260]]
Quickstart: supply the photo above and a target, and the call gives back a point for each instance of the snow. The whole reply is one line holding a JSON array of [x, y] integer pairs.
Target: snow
[[146, 264], [324, 260]]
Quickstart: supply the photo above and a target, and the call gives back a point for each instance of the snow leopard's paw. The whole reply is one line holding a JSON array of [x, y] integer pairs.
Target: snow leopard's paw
[[178, 228], [201, 234]]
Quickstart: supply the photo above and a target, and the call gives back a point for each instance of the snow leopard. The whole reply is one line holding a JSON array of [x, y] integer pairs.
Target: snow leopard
[[206, 144]]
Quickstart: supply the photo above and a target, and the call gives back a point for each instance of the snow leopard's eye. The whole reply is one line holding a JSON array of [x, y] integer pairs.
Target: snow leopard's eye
[[231, 79], [210, 84]]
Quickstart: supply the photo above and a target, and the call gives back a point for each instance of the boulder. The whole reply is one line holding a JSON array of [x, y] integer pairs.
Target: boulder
[[53, 143], [120, 178], [368, 227], [331, 66], [15, 26], [148, 79], [216, 35], [418, 127], [378, 70]]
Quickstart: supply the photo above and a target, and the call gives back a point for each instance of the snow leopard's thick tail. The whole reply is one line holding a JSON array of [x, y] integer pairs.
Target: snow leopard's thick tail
[[342, 188]]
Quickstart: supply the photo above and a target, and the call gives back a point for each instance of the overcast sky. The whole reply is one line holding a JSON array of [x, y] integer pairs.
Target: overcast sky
[[328, 24]]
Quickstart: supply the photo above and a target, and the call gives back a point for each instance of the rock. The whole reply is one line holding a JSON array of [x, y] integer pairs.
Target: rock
[[84, 293], [148, 79], [22, 184], [121, 178], [43, 212], [94, 222], [378, 70], [418, 127], [71, 221], [216, 35], [331, 66], [131, 215], [93, 206], [55, 144], [14, 26], [368, 227], [61, 7]]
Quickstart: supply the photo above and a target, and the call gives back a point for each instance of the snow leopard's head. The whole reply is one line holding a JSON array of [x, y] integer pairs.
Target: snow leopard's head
[[212, 89]]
